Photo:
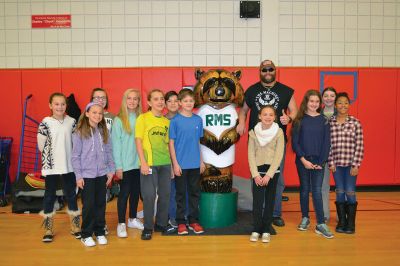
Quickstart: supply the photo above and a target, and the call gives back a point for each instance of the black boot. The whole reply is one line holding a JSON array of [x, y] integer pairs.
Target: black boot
[[341, 212], [351, 210]]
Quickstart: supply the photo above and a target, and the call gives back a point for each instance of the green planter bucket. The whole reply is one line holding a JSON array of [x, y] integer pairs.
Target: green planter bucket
[[218, 209]]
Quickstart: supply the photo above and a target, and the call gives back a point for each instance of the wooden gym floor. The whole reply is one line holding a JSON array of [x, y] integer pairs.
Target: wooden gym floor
[[376, 242]]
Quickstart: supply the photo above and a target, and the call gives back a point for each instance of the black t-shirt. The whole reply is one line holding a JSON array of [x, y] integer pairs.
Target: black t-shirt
[[257, 96]]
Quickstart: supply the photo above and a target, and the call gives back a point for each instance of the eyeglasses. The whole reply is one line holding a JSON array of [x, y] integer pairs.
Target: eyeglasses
[[100, 98], [270, 69]]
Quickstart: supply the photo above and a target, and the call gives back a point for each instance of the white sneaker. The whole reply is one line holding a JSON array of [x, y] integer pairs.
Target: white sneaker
[[140, 215], [88, 241], [265, 238], [254, 237], [121, 230], [135, 223], [102, 240]]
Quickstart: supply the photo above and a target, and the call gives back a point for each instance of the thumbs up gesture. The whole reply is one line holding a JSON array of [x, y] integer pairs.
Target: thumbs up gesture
[[285, 119]]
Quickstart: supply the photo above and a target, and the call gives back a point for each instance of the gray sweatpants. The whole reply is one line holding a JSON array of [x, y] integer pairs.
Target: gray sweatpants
[[157, 183]]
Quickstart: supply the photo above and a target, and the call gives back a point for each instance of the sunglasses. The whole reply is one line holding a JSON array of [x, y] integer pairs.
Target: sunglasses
[[270, 69]]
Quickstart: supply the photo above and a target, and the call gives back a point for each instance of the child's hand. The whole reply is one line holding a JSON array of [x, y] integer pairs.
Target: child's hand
[[145, 169], [258, 180], [241, 128], [202, 167], [80, 183], [177, 170], [265, 180], [307, 164], [333, 169], [118, 173], [353, 171], [109, 179]]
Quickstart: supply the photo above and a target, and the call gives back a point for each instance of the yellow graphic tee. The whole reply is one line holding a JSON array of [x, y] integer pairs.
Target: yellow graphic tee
[[153, 131]]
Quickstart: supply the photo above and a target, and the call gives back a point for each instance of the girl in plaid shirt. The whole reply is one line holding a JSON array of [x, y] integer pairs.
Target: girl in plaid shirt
[[347, 152]]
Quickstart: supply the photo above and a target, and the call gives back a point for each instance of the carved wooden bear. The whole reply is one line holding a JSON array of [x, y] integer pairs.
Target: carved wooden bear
[[218, 93]]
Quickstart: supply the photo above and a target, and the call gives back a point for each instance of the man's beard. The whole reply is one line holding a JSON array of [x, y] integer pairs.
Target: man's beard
[[265, 80]]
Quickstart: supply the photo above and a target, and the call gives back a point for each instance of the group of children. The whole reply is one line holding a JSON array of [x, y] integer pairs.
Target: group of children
[[324, 137], [143, 151], [158, 158]]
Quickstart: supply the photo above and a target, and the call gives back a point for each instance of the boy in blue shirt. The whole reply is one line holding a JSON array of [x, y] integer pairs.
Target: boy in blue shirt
[[185, 132]]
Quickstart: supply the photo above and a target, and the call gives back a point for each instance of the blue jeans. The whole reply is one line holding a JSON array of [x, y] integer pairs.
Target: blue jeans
[[311, 180], [345, 185], [279, 188], [172, 201]]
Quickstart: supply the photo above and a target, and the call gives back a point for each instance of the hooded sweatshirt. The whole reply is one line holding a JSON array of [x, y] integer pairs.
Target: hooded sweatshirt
[[90, 156]]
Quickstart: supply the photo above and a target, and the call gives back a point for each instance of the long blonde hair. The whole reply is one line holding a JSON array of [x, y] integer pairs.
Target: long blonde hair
[[84, 128], [123, 113]]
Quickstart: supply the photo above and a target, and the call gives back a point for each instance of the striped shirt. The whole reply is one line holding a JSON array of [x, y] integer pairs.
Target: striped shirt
[[347, 143]]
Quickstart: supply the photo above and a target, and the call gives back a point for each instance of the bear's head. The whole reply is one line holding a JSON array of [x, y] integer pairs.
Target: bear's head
[[218, 87]]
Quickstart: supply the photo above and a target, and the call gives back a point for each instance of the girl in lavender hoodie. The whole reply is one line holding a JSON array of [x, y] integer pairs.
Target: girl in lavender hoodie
[[94, 168]]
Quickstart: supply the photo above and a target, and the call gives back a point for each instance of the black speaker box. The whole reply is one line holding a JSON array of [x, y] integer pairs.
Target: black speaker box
[[250, 9]]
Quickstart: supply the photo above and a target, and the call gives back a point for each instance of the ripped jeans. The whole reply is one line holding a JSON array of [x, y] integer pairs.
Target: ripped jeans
[[345, 185]]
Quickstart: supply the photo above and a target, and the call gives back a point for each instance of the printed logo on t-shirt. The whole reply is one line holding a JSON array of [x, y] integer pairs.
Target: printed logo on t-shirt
[[267, 97], [218, 120]]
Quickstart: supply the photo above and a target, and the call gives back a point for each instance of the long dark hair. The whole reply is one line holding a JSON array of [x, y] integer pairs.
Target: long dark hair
[[83, 127], [303, 107]]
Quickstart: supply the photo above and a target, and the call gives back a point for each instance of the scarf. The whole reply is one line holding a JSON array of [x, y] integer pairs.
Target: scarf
[[265, 136]]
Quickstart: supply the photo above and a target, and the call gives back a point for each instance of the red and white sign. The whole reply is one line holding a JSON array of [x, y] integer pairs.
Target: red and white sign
[[51, 21]]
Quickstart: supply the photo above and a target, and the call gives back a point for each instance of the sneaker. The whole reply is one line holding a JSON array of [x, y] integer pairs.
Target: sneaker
[[121, 230], [140, 215], [135, 223], [88, 241], [169, 230], [182, 229], [102, 240], [106, 230], [304, 224], [146, 234], [254, 236], [196, 228], [278, 221], [47, 238], [322, 229], [172, 222], [265, 238]]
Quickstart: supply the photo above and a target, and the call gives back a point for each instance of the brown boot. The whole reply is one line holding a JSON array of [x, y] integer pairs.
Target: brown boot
[[48, 223], [75, 223]]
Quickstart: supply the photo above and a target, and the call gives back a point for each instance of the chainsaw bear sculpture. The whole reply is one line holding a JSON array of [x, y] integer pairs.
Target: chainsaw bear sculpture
[[218, 93]]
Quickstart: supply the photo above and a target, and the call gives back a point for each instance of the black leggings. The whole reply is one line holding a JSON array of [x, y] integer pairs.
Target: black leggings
[[129, 187]]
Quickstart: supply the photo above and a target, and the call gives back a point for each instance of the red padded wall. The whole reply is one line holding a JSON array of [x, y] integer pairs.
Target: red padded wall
[[80, 82], [11, 112], [397, 139], [377, 107], [165, 79], [40, 83], [117, 81]]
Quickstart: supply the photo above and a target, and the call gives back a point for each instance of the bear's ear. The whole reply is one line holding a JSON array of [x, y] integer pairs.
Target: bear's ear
[[237, 74], [198, 73]]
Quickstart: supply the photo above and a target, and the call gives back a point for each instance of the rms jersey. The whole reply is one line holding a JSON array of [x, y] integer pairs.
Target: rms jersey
[[217, 122]]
